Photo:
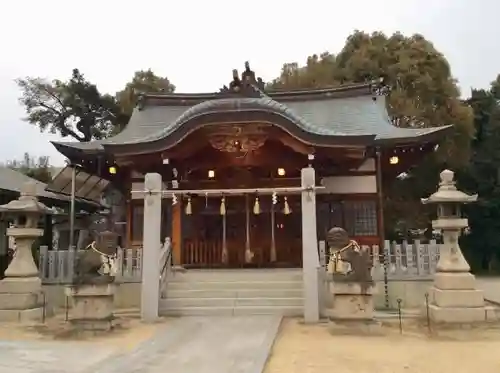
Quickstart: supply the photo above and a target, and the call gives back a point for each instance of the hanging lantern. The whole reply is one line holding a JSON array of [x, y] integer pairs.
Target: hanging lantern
[[256, 206], [174, 199], [286, 207], [223, 206], [189, 210]]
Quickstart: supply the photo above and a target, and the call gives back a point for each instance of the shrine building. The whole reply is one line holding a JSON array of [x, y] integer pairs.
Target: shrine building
[[210, 146]]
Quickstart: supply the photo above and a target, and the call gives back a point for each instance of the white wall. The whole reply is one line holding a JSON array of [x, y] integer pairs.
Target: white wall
[[368, 165], [349, 184], [352, 184]]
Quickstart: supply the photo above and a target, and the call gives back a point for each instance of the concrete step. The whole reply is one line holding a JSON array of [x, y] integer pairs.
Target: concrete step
[[232, 311], [232, 285], [235, 293], [238, 275], [229, 302]]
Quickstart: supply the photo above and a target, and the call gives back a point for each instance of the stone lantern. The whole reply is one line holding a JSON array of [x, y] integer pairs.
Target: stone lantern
[[453, 297], [449, 220], [21, 288]]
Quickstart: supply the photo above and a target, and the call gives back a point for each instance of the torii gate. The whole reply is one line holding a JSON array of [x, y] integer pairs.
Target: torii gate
[[153, 194]]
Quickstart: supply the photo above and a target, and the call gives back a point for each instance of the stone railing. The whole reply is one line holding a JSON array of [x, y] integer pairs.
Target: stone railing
[[56, 266], [166, 262], [400, 261]]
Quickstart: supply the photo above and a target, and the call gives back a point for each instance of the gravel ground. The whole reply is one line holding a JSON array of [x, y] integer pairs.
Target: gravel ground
[[313, 349], [129, 332]]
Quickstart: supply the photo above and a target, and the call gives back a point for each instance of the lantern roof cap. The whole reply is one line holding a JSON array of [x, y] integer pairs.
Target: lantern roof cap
[[27, 202], [448, 192]]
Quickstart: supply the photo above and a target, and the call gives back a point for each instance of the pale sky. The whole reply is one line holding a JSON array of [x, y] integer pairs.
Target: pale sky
[[197, 43]]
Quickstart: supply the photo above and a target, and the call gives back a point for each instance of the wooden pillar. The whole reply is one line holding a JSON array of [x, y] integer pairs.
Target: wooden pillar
[[177, 233], [224, 258], [273, 234], [380, 199], [247, 223], [128, 244], [381, 227]]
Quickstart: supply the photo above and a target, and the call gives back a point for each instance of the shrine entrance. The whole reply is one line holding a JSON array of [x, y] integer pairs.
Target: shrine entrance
[[242, 231]]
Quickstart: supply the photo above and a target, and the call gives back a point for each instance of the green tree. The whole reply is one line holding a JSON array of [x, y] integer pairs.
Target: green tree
[[318, 72], [423, 94], [482, 176], [143, 81], [36, 168], [73, 108]]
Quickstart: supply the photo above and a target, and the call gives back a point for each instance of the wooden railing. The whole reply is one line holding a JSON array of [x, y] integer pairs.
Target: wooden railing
[[202, 253], [208, 254]]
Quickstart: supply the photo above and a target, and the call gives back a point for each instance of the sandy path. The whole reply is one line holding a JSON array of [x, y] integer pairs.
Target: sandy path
[[312, 349]]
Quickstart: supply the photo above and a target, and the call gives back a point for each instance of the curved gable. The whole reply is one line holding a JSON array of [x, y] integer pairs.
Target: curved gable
[[240, 110]]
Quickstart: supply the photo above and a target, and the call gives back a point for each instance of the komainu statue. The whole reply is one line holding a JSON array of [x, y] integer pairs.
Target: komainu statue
[[348, 261], [96, 263]]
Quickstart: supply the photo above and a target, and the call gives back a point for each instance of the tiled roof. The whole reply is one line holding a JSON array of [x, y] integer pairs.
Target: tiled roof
[[336, 116], [13, 181]]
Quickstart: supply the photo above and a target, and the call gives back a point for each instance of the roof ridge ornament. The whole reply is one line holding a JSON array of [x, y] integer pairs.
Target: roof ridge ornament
[[248, 85], [379, 87]]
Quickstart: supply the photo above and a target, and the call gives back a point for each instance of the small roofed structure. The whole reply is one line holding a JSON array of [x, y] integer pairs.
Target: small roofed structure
[[12, 181], [244, 136], [11, 187]]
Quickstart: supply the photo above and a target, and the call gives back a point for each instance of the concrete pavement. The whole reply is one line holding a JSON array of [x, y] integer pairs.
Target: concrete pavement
[[183, 345]]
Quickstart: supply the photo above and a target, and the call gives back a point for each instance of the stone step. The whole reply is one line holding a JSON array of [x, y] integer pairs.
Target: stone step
[[235, 293], [238, 275], [228, 285], [232, 311], [172, 303]]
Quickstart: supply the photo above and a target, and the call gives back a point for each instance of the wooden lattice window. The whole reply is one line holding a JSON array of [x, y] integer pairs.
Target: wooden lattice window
[[360, 218]]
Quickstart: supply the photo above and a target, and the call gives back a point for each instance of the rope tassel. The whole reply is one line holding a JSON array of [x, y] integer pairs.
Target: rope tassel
[[189, 209], [286, 207], [256, 206], [223, 206]]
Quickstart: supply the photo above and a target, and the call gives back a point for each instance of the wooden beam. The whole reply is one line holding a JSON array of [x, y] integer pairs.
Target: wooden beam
[[137, 194]]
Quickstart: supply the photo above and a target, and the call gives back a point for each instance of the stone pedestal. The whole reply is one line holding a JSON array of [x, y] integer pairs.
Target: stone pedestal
[[352, 310], [453, 298], [350, 302], [21, 289], [92, 306], [21, 300]]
